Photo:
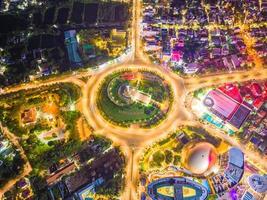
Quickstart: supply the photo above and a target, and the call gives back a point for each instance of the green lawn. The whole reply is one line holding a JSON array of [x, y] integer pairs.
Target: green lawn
[[11, 166], [41, 155], [120, 114], [156, 89], [116, 83]]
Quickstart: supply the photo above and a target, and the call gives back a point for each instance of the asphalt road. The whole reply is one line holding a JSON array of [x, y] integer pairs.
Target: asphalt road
[[134, 140]]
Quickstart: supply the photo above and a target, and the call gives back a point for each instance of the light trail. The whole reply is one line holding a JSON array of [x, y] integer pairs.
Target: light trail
[[133, 141]]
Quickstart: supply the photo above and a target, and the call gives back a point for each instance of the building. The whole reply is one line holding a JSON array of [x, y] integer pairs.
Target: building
[[220, 104], [55, 176], [88, 190], [72, 47], [235, 168], [166, 46], [118, 38], [232, 170], [28, 116], [89, 50], [176, 55], [227, 108], [248, 196], [4, 144], [183, 138], [191, 68], [199, 158], [176, 188], [258, 183], [104, 167]]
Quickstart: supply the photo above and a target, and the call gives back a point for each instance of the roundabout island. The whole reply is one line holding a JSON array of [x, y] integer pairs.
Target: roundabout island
[[134, 102], [137, 98], [168, 130]]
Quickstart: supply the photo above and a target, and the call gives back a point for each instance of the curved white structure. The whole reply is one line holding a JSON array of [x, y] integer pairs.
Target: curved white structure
[[200, 158]]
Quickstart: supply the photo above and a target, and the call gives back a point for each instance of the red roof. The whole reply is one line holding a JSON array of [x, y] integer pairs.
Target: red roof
[[128, 76], [176, 55], [59, 173], [262, 114], [223, 104], [245, 91], [258, 102], [256, 89], [264, 95], [232, 91]]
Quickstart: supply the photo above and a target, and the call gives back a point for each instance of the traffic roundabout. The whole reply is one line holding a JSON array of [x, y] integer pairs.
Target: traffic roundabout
[[136, 98], [133, 100]]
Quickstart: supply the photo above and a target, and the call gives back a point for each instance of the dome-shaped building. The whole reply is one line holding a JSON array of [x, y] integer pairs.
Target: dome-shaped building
[[199, 158]]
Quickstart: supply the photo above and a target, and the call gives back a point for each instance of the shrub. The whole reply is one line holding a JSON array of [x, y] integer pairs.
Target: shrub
[[168, 156], [158, 157]]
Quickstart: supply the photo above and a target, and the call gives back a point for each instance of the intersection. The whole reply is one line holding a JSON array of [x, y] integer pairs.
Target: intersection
[[134, 140]]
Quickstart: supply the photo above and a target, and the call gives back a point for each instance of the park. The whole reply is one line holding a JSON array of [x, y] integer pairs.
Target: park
[[134, 98]]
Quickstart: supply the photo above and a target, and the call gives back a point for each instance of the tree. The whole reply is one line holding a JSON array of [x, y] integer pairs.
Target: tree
[[176, 159], [212, 197], [112, 187], [158, 158], [70, 118], [168, 156]]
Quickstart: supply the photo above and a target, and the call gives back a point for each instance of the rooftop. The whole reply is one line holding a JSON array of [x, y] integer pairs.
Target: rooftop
[[236, 157], [104, 167]]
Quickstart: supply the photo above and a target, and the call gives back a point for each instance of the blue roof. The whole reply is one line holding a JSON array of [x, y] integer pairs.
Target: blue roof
[[89, 188], [72, 46], [178, 183], [206, 184], [255, 141], [248, 196], [236, 157], [258, 183]]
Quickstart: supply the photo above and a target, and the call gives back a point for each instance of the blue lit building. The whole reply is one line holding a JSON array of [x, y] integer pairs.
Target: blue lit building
[[72, 47], [176, 188]]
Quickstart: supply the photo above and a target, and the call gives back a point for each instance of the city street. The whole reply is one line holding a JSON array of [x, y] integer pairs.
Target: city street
[[133, 141], [27, 167]]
